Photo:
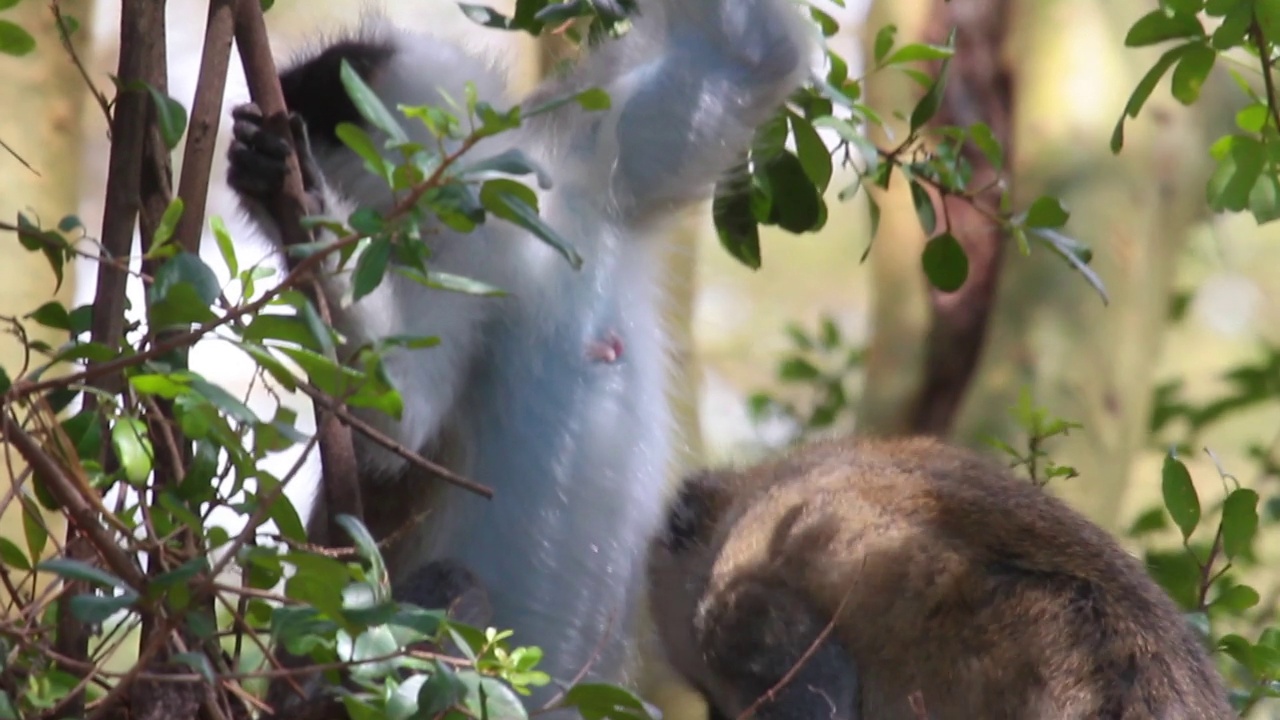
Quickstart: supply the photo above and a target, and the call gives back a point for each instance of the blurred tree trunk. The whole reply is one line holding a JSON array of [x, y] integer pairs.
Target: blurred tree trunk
[[46, 133], [979, 88], [1085, 361], [899, 306], [1049, 330]]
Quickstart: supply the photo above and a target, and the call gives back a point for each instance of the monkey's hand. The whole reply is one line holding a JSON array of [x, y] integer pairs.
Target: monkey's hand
[[258, 161]]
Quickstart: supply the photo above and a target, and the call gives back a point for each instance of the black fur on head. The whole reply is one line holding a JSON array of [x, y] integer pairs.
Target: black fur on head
[[313, 88], [693, 514]]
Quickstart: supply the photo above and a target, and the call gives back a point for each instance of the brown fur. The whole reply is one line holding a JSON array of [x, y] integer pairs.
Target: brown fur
[[953, 581]]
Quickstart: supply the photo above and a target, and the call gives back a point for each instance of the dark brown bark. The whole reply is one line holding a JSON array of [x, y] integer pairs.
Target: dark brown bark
[[979, 89], [339, 475]]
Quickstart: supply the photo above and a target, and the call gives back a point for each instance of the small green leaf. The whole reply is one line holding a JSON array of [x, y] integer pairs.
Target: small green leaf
[[369, 105], [1046, 212], [1237, 598], [1180, 497], [226, 247], [797, 369], [796, 205], [987, 143], [925, 210], [918, 51], [52, 315], [12, 555], [884, 42], [945, 263], [133, 449], [928, 106], [513, 161], [594, 99], [14, 40], [371, 266], [81, 572], [1158, 26], [812, 151], [170, 116], [735, 222], [33, 527], [517, 204], [168, 223], [359, 142], [1239, 521], [94, 609], [1190, 73]]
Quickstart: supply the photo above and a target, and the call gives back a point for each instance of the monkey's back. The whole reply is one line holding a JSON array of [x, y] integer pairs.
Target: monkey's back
[[955, 579]]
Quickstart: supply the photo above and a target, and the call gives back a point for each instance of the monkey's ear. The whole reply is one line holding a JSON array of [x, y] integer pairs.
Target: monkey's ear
[[693, 514]]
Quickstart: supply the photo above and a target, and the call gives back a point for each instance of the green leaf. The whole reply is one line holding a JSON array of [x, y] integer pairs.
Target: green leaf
[[168, 223], [12, 555], [94, 609], [797, 369], [1191, 72], [452, 283], [925, 210], [226, 247], [33, 527], [594, 99], [735, 222], [1158, 26], [987, 143], [186, 268], [919, 51], [14, 40], [928, 106], [1180, 497], [1186, 7], [884, 42], [597, 701], [1237, 598], [81, 572], [133, 449], [1237, 172], [6, 4], [52, 315], [945, 263], [1239, 521], [812, 152], [170, 116], [369, 105], [518, 204], [796, 204], [513, 161], [355, 138], [371, 266], [1268, 14], [1046, 212]]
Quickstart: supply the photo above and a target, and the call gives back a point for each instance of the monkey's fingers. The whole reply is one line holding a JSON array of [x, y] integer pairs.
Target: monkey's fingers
[[254, 173], [249, 112]]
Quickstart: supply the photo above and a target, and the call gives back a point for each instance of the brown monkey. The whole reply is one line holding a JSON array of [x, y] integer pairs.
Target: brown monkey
[[914, 580]]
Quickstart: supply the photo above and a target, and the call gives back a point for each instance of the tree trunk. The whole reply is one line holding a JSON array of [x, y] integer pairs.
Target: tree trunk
[[1085, 361]]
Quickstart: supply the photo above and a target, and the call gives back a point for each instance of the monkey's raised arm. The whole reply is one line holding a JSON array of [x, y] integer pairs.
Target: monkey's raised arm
[[689, 85]]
